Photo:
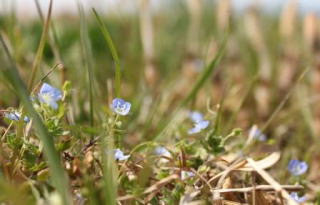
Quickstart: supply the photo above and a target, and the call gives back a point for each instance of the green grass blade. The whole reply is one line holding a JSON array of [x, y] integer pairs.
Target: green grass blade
[[284, 100], [58, 176], [109, 166], [37, 61], [109, 172], [87, 56], [233, 116], [205, 74], [196, 87], [306, 111], [53, 38], [113, 51]]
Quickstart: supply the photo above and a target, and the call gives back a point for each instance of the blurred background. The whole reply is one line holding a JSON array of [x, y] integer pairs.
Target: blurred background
[[26, 8], [269, 76]]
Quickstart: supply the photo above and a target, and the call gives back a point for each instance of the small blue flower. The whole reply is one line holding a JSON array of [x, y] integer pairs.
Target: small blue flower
[[257, 134], [198, 65], [162, 151], [198, 127], [186, 174], [49, 95], [297, 167], [196, 116], [120, 106], [15, 116], [199, 123], [295, 196], [118, 155]]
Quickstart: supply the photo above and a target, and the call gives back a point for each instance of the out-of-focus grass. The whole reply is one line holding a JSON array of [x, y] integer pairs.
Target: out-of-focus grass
[[239, 85], [9, 70]]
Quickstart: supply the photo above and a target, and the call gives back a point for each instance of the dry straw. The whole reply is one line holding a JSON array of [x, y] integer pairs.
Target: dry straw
[[224, 14], [256, 38], [147, 38], [288, 19]]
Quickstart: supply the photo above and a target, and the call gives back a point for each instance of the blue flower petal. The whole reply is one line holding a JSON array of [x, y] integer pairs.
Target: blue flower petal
[[257, 134], [203, 124], [297, 167], [49, 95], [120, 106], [15, 116], [55, 93], [186, 174], [295, 196], [162, 151], [198, 127], [26, 119], [118, 155], [12, 116], [195, 116]]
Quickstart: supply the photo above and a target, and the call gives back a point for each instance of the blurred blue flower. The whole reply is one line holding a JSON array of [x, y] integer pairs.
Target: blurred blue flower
[[297, 167], [15, 116], [186, 174], [162, 151], [120, 106], [198, 127], [49, 95], [257, 134], [199, 123], [295, 196], [119, 155], [196, 116], [198, 65]]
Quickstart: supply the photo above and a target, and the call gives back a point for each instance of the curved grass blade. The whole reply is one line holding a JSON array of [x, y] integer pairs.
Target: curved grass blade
[[37, 60], [205, 75], [113, 51], [53, 38], [196, 87], [249, 88], [87, 56], [285, 99], [58, 176]]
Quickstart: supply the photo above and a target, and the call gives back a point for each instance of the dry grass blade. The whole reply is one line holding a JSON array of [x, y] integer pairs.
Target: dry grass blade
[[45, 76], [265, 163], [188, 197], [147, 39], [202, 178], [276, 186], [237, 166], [261, 188], [261, 198], [222, 176], [40, 50], [237, 163], [285, 99], [227, 202], [53, 42], [154, 188]]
